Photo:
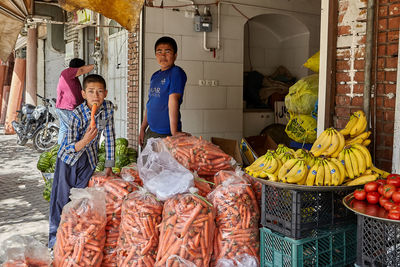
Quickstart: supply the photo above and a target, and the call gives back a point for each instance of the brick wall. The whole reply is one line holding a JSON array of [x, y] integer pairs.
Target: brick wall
[[133, 88], [350, 69]]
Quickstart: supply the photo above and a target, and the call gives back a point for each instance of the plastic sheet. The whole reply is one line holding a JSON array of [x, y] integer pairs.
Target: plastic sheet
[[131, 173]]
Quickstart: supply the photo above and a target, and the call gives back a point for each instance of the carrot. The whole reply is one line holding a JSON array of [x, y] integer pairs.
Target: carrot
[[131, 173], [138, 238], [92, 119]]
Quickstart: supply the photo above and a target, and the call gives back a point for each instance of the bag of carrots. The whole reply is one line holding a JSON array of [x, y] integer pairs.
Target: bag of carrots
[[116, 191], [176, 261], [81, 233], [203, 185], [20, 250], [131, 173], [138, 238], [199, 155], [162, 175], [186, 230], [241, 260], [98, 178], [237, 217]]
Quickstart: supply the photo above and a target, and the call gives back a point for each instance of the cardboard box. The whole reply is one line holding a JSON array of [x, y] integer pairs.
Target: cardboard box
[[229, 146], [281, 113], [255, 146]]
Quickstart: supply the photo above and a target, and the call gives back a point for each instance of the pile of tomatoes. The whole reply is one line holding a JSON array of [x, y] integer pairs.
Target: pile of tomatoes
[[385, 192]]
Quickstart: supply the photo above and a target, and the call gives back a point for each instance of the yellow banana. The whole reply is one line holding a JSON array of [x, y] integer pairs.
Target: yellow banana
[[340, 147], [367, 172], [335, 142], [272, 177], [335, 173], [257, 162], [279, 167], [352, 121], [366, 142], [273, 166], [367, 155], [361, 160], [328, 175], [300, 170], [312, 174], [363, 179], [364, 135], [286, 167], [319, 179], [348, 164], [321, 144], [361, 124], [341, 168], [354, 163], [380, 172]]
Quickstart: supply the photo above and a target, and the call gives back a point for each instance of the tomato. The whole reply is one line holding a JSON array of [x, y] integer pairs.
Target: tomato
[[394, 180], [380, 189], [360, 194], [395, 209], [373, 197], [383, 201], [396, 196], [381, 181], [394, 216], [372, 210], [359, 205], [371, 187], [388, 190], [392, 175], [389, 205]]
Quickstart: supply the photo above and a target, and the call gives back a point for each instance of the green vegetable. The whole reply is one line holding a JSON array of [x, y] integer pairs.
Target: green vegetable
[[44, 161], [121, 141], [116, 170], [54, 150], [100, 167], [102, 148], [47, 189], [102, 157], [121, 161], [121, 150]]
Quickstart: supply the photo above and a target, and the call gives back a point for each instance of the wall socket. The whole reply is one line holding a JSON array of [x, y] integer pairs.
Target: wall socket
[[208, 83], [202, 82]]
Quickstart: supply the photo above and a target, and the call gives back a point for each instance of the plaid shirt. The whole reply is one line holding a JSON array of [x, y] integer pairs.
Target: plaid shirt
[[78, 123]]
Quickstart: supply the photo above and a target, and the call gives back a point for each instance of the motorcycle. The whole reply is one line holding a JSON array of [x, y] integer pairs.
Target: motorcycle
[[37, 123]]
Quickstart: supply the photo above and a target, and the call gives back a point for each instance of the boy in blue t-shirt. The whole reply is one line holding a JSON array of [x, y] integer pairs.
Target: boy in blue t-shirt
[[162, 116]]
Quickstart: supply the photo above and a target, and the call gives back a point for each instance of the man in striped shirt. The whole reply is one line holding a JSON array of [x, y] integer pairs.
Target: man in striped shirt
[[77, 156]]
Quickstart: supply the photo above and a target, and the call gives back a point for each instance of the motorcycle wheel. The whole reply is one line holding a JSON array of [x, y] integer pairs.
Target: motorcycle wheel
[[42, 142]]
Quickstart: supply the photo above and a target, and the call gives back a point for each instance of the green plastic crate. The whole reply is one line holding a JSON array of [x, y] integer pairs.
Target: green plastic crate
[[332, 247]]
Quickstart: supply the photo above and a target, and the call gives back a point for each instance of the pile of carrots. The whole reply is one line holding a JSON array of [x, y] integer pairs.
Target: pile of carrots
[[138, 239], [237, 217], [81, 234], [28, 262], [131, 173], [116, 191], [203, 185], [186, 230], [99, 178], [198, 155]]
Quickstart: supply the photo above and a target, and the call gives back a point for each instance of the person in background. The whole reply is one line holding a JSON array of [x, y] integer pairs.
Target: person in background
[[162, 115], [69, 93], [77, 157]]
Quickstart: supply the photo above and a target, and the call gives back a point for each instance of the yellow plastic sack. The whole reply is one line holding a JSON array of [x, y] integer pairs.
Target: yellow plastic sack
[[302, 128], [313, 63], [303, 95]]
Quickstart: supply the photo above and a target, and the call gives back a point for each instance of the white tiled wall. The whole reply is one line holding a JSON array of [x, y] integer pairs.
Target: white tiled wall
[[209, 111]]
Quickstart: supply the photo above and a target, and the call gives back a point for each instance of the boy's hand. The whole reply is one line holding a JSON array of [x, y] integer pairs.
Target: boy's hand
[[108, 171], [90, 134]]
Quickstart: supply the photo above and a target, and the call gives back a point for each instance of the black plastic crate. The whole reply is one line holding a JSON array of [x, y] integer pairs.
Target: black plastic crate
[[378, 242], [297, 214]]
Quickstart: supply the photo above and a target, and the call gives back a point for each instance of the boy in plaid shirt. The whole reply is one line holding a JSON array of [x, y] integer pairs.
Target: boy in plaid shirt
[[77, 156]]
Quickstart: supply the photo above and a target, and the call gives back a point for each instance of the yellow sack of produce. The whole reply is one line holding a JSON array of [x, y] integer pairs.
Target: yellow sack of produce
[[303, 95], [313, 63], [302, 128]]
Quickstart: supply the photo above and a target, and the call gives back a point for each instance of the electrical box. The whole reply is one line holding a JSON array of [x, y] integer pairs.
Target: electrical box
[[203, 23]]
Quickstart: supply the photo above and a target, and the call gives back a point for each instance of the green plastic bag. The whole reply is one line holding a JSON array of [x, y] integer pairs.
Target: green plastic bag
[[303, 95], [313, 63], [302, 128]]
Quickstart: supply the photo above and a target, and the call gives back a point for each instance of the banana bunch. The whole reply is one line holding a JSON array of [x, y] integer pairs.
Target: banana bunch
[[293, 171], [330, 143], [355, 128], [359, 139], [307, 156], [281, 150], [265, 166], [326, 172], [286, 156], [356, 159]]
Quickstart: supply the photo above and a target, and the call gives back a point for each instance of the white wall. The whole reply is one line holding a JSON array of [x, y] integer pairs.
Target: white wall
[[54, 65], [211, 111]]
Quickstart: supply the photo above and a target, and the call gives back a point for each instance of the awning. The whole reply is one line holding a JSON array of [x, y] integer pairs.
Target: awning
[[125, 12]]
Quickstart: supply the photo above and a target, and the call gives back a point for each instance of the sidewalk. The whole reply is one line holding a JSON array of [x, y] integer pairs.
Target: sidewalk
[[22, 208]]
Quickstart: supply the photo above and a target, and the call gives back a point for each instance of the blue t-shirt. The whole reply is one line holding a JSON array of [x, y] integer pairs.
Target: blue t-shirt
[[162, 84]]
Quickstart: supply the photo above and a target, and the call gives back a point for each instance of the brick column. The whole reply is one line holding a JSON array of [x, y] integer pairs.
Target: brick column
[[133, 88]]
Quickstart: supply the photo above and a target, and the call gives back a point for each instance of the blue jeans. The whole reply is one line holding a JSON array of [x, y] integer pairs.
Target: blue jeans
[[63, 116]]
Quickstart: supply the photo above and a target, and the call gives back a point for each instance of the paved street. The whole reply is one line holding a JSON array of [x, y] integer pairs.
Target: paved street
[[22, 207]]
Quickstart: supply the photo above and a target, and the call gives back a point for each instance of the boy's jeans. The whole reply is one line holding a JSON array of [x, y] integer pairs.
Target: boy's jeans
[[63, 116]]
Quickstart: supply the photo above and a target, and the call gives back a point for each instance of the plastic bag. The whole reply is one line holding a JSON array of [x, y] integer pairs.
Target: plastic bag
[[237, 218], [186, 230], [81, 233], [313, 63], [131, 173], [162, 175], [303, 95], [116, 190], [203, 185], [24, 251], [138, 239], [98, 178], [302, 128], [176, 261], [199, 155], [241, 260]]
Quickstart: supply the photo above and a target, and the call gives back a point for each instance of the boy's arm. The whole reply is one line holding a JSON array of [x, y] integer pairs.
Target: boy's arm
[[73, 145], [109, 135], [143, 128], [173, 110]]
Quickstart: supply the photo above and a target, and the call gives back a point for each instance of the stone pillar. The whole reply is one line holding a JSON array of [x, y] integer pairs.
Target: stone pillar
[[4, 103], [2, 78], [31, 67]]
